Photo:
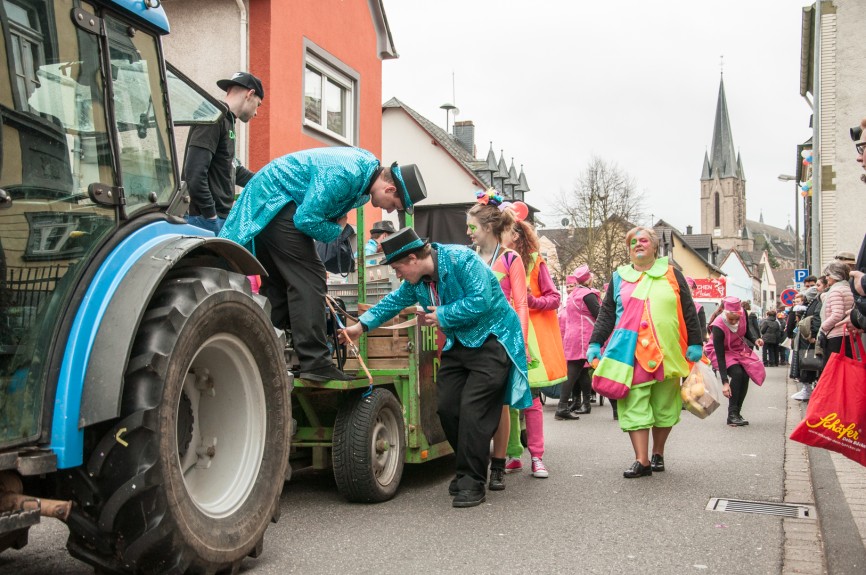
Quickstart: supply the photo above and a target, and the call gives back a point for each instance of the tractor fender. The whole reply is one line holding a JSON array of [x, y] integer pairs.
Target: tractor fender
[[103, 380], [92, 374]]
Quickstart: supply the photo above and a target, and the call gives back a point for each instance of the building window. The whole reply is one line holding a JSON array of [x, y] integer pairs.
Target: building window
[[26, 42], [330, 98], [716, 210], [61, 235]]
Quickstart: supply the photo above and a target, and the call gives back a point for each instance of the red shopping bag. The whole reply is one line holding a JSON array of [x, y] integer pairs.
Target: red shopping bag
[[836, 416]]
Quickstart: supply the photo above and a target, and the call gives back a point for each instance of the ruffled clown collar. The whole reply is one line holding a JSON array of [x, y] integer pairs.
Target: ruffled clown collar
[[658, 269]]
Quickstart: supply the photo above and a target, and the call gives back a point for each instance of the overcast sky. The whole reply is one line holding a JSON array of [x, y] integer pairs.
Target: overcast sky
[[631, 81]]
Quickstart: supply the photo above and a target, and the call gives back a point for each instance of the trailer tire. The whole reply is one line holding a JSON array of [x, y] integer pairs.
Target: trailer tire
[[189, 477], [369, 447]]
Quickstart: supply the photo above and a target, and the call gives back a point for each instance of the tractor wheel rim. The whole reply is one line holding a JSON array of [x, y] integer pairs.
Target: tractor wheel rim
[[222, 462]]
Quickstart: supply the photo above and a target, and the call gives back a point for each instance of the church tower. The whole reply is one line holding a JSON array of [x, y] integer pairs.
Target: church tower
[[723, 185]]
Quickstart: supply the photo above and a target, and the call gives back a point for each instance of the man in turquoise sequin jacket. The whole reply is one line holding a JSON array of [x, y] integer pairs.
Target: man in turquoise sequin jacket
[[290, 202], [484, 357]]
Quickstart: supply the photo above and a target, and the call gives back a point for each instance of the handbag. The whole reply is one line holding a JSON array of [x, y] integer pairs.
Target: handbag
[[836, 414], [809, 361], [338, 255]]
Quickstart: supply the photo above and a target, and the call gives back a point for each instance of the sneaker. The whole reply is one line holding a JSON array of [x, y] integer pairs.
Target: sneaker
[[538, 468], [513, 465], [468, 498], [802, 395], [497, 479]]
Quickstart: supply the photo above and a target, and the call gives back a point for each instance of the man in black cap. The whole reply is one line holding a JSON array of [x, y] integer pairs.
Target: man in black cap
[[210, 168], [306, 196], [378, 234], [484, 356]]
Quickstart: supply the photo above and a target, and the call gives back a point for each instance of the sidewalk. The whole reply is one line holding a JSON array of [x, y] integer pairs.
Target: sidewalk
[[835, 541]]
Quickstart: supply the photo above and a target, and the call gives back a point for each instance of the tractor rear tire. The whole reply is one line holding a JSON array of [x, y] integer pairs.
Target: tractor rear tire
[[189, 477], [369, 447]]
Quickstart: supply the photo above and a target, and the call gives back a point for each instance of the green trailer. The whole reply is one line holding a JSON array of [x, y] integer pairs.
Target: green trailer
[[366, 433]]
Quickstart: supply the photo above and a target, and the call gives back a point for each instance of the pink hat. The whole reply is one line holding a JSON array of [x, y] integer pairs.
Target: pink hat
[[732, 304], [582, 273], [570, 280]]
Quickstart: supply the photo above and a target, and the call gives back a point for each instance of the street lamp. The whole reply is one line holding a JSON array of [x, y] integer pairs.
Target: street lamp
[[787, 178]]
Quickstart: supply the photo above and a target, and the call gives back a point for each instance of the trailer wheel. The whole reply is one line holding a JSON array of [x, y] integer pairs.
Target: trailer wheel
[[369, 447], [189, 477]]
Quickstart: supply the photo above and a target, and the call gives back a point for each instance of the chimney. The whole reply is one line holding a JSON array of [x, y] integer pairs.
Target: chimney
[[688, 230], [464, 133]]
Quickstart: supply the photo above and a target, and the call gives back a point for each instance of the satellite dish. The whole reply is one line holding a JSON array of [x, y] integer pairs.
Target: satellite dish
[[565, 222]]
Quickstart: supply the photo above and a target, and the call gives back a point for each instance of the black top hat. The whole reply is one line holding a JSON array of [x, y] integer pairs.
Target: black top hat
[[244, 80], [410, 183], [398, 245], [384, 226]]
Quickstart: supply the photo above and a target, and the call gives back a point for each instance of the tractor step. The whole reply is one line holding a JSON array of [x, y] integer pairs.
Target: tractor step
[[18, 519]]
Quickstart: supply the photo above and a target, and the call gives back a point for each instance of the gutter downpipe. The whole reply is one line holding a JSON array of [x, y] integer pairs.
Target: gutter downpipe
[[816, 147], [244, 66]]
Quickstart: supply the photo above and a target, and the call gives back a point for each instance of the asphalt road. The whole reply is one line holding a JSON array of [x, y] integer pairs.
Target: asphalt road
[[585, 518]]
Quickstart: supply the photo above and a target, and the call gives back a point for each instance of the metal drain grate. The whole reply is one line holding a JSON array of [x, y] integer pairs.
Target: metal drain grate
[[794, 510]]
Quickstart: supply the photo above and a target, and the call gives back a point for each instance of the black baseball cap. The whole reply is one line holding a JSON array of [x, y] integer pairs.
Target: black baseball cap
[[244, 80]]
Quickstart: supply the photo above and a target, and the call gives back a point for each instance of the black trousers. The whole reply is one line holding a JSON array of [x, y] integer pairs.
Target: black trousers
[[577, 383], [771, 354], [295, 287], [739, 388], [471, 385], [834, 345]]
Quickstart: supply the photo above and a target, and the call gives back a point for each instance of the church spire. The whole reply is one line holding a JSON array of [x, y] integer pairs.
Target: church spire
[[723, 157]]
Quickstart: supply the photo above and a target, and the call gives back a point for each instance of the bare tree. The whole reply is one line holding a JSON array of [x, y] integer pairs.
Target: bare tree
[[602, 206]]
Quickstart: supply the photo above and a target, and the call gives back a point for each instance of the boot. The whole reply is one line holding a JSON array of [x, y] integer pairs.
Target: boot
[[734, 419], [613, 407], [584, 407], [562, 412]]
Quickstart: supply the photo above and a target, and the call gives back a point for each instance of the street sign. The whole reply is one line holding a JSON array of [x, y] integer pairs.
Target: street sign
[[713, 288], [800, 275], [787, 296]]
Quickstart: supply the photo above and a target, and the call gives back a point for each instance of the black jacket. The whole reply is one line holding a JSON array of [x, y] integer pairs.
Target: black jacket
[[771, 331]]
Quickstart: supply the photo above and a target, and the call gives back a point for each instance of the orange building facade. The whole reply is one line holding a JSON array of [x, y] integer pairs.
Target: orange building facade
[[320, 62]]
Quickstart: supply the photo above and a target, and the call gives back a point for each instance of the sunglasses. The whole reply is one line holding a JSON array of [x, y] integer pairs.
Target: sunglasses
[[860, 146]]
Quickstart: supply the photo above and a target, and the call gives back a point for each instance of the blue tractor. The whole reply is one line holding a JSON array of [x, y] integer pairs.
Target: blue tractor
[[144, 395]]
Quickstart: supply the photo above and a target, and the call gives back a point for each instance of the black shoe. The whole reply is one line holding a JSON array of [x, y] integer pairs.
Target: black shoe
[[468, 498], [329, 373], [497, 479], [742, 421], [657, 463], [593, 398], [736, 421], [565, 414], [637, 470], [584, 407], [452, 487]]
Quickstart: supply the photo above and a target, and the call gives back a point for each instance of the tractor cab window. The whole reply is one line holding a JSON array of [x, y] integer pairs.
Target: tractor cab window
[[140, 116]]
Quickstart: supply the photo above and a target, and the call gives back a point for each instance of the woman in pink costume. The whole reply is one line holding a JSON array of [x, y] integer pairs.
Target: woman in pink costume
[[547, 360], [485, 225], [730, 351], [577, 321]]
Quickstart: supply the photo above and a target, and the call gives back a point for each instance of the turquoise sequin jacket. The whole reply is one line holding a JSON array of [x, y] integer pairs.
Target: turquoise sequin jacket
[[471, 308], [325, 183]]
